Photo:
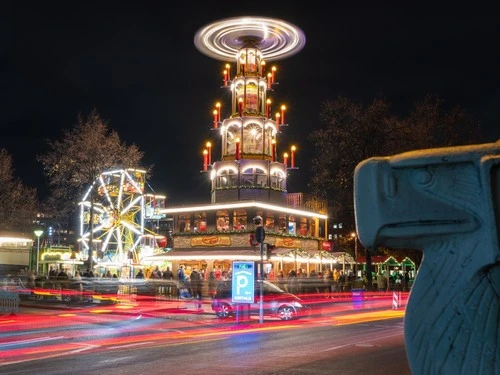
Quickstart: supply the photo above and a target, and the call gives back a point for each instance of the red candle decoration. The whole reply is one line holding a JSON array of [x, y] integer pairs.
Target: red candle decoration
[[273, 71], [205, 160], [240, 106], [278, 118], [237, 152], [209, 152], [268, 108], [283, 108], [218, 111], [292, 162], [225, 77], [285, 159], [273, 149], [269, 80], [263, 67], [228, 70], [215, 118]]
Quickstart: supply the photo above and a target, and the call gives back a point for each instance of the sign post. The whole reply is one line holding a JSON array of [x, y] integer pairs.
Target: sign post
[[243, 282], [260, 235]]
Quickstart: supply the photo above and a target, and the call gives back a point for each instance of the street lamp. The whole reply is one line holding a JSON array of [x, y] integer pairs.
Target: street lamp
[[38, 233], [355, 237]]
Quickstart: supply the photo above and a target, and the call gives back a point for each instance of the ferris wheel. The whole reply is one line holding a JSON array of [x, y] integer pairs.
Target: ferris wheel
[[118, 226]]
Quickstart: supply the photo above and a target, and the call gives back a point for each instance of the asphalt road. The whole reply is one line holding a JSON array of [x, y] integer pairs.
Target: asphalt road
[[79, 342]]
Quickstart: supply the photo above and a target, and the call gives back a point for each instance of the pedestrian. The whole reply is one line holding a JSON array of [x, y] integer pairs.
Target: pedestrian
[[168, 274], [195, 283], [329, 283], [180, 274], [212, 284], [156, 274]]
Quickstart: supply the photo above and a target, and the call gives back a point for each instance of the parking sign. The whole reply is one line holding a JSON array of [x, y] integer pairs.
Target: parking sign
[[243, 282]]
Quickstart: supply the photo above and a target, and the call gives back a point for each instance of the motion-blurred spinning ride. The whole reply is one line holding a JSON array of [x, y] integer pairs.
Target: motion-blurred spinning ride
[[123, 217]]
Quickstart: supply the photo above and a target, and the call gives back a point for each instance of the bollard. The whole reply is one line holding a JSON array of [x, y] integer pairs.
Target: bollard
[[396, 300]]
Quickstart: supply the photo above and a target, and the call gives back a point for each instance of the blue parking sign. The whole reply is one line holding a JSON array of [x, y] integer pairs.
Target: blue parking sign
[[243, 282]]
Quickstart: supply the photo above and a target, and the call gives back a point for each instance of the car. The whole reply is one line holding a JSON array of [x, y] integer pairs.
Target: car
[[152, 288], [277, 303]]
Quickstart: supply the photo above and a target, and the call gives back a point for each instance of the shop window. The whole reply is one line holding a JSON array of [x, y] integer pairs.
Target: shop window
[[184, 223], [269, 223], [303, 231], [200, 222], [292, 226], [282, 223], [222, 220], [240, 220]]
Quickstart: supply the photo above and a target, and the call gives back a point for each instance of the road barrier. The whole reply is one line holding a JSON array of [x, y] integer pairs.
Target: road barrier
[[9, 302]]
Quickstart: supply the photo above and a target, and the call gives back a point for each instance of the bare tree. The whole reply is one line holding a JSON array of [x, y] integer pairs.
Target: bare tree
[[17, 202], [352, 133], [74, 162]]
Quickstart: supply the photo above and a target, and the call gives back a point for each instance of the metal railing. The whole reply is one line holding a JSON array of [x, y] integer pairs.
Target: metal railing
[[9, 302]]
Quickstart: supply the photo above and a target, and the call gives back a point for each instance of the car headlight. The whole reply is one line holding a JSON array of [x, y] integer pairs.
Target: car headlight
[[297, 304]]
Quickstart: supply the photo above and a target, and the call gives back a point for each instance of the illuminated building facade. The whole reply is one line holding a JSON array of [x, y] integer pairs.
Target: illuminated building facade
[[248, 179]]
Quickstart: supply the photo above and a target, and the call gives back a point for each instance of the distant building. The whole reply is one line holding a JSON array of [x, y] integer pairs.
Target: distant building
[[16, 253]]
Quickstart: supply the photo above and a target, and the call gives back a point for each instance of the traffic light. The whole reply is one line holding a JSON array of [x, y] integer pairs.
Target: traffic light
[[260, 234], [170, 240]]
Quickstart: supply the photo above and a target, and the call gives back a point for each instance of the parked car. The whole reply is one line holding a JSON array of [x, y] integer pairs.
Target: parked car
[[152, 288], [276, 302]]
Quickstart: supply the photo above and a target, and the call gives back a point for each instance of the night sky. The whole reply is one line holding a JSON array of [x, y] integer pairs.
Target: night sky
[[136, 64]]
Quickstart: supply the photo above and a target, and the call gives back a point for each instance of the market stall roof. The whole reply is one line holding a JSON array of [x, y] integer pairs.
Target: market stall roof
[[379, 259], [387, 259], [405, 260]]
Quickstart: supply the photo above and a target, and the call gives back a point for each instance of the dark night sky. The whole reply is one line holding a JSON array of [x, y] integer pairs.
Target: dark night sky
[[136, 63]]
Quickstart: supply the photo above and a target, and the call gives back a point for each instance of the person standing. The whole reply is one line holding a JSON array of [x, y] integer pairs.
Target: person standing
[[329, 283], [168, 275], [180, 274], [212, 284], [381, 284], [195, 282]]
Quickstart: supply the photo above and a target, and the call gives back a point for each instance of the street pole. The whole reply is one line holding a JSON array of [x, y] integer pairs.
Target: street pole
[[354, 235], [261, 280], [37, 253], [38, 233], [356, 254], [260, 235]]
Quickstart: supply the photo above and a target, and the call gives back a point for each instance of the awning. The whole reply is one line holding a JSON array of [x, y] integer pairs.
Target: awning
[[215, 254], [250, 254]]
